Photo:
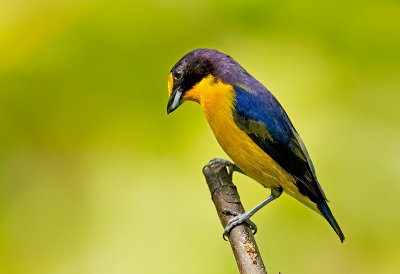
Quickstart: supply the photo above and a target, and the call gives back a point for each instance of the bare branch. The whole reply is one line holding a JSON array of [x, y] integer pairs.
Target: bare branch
[[225, 197]]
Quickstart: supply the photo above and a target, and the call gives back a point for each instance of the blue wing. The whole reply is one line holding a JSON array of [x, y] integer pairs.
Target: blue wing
[[264, 120]]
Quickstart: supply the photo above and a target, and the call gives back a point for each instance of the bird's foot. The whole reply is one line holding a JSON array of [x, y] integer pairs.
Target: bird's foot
[[231, 166], [237, 220]]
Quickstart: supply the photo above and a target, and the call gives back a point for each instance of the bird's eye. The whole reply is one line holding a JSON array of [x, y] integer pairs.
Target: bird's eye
[[177, 75]]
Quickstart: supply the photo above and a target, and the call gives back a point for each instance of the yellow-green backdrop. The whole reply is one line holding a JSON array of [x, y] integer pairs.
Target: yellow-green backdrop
[[96, 178]]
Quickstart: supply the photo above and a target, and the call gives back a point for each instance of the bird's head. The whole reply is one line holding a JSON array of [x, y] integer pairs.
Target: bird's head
[[185, 76]]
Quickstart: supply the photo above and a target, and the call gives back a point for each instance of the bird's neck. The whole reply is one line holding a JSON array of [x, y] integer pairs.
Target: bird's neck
[[212, 94], [217, 100]]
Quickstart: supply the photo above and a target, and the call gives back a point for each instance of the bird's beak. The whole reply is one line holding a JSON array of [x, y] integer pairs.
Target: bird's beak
[[174, 100]]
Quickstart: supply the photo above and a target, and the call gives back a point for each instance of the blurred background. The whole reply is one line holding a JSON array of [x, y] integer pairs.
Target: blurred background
[[96, 178]]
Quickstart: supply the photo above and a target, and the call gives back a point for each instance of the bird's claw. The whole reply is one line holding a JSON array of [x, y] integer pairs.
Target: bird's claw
[[237, 220], [231, 166]]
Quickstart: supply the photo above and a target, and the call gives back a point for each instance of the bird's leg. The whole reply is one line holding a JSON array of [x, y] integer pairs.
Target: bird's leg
[[231, 166], [244, 217]]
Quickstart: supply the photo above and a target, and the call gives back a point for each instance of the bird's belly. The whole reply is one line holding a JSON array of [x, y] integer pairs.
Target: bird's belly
[[250, 158]]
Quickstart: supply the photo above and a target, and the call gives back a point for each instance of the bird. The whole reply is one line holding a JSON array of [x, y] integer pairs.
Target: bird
[[252, 128]]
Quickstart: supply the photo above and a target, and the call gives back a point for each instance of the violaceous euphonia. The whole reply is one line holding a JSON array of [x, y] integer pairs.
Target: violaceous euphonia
[[252, 128]]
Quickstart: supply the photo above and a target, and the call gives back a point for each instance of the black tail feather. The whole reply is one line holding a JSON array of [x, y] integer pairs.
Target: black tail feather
[[326, 212]]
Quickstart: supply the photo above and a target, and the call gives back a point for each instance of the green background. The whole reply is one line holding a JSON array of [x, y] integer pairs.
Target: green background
[[96, 178]]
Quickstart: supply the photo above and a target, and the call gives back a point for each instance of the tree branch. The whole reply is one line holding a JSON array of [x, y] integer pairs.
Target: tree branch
[[225, 197]]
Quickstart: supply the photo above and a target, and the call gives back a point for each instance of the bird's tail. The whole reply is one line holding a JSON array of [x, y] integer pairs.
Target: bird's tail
[[326, 212]]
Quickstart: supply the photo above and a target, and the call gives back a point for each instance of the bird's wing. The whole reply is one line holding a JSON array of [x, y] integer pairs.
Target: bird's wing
[[263, 119]]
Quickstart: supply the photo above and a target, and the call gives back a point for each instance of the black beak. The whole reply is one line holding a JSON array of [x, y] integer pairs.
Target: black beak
[[174, 100]]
